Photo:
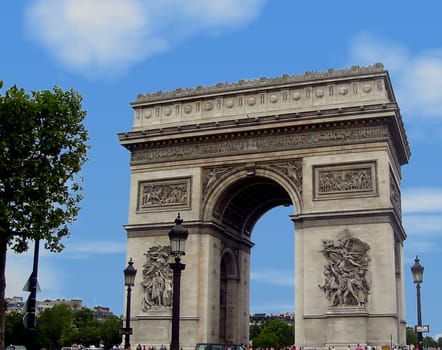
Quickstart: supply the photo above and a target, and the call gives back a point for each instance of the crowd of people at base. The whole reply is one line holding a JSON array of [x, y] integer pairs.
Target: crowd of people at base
[[293, 347], [144, 347], [358, 347]]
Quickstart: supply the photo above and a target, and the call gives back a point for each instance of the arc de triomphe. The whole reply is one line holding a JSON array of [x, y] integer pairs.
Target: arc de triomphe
[[330, 143]]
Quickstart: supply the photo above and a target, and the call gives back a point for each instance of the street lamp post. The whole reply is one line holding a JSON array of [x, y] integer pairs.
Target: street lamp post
[[129, 281], [177, 235], [418, 275]]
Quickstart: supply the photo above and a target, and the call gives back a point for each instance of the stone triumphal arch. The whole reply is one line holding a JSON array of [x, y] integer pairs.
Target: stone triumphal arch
[[331, 143]]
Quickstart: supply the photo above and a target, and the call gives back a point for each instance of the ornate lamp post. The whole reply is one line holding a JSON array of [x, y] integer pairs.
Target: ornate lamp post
[[418, 275], [177, 235], [129, 281]]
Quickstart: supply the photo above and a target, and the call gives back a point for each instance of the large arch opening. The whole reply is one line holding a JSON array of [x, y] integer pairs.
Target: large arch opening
[[239, 208], [241, 205], [272, 276]]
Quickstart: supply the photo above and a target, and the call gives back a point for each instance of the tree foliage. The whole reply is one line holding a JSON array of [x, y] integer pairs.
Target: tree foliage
[[275, 333], [411, 336], [429, 342], [42, 149], [110, 331], [90, 330], [54, 326], [60, 326], [15, 332]]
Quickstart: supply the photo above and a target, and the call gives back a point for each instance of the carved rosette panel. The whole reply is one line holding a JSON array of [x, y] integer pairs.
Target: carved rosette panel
[[347, 180], [164, 194], [157, 279], [244, 98], [395, 196], [345, 271]]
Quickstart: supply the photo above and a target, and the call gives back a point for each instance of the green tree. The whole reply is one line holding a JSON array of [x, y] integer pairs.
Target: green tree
[[110, 331], [54, 326], [15, 333], [255, 329], [87, 328], [266, 339], [429, 342], [42, 149], [411, 336], [275, 333]]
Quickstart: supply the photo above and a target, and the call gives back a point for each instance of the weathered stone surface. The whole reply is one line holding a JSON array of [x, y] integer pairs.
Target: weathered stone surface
[[329, 143]]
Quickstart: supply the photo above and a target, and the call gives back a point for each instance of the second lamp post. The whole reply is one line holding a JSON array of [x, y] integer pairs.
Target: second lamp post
[[418, 275], [129, 281], [177, 235]]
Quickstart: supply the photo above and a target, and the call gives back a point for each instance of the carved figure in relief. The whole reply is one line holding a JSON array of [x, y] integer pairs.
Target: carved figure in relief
[[157, 279], [345, 180], [212, 175], [294, 170], [163, 194], [345, 272]]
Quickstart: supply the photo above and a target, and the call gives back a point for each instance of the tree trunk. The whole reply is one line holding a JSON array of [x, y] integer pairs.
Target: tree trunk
[[3, 249]]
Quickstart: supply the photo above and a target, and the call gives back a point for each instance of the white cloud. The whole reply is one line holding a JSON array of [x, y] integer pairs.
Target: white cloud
[[104, 37], [19, 268], [366, 49], [422, 219], [95, 248], [274, 277], [422, 200], [51, 277], [418, 225], [419, 247], [417, 77]]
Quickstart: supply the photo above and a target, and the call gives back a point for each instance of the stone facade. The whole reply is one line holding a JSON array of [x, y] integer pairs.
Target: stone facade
[[329, 143]]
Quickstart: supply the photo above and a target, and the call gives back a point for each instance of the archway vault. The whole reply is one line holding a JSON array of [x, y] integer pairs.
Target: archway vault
[[331, 144], [239, 198]]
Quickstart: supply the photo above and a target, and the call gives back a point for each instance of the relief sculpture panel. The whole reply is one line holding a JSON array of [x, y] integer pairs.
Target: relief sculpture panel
[[154, 195], [345, 281], [157, 279], [345, 180], [395, 196]]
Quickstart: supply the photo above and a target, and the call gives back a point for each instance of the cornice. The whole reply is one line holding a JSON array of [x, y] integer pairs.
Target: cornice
[[314, 98], [311, 121], [317, 117], [351, 217], [262, 82]]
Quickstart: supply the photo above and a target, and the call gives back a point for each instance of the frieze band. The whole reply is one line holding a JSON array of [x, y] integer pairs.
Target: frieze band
[[260, 144]]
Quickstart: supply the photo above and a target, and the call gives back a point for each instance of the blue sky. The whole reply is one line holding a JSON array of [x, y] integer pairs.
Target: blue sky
[[112, 50]]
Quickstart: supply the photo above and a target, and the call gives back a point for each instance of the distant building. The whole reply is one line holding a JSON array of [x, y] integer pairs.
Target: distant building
[[101, 312], [17, 304], [14, 304], [74, 304], [259, 318]]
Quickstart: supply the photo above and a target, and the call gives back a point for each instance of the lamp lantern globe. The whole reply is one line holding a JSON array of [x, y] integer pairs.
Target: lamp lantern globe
[[178, 236]]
